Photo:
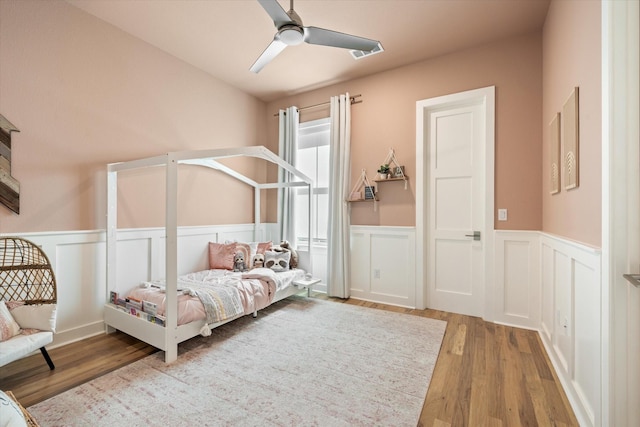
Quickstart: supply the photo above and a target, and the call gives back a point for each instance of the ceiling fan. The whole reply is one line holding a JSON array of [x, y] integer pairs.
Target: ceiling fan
[[291, 32]]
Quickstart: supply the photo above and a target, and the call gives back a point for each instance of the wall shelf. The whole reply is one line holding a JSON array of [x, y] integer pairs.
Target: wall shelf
[[364, 200], [406, 178]]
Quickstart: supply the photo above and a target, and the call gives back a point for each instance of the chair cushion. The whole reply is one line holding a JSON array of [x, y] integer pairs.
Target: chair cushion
[[21, 345], [36, 316]]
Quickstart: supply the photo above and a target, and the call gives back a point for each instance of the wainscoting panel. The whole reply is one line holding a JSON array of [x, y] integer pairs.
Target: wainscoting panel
[[81, 286], [587, 331], [517, 276], [571, 327], [383, 264], [547, 271], [563, 309], [553, 285]]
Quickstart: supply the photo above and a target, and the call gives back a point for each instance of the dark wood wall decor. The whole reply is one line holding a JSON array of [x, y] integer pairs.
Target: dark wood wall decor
[[9, 186]]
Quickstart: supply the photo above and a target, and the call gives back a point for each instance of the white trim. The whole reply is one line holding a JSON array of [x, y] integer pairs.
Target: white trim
[[620, 207], [486, 96]]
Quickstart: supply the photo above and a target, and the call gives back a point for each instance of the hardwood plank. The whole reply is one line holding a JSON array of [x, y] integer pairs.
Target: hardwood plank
[[480, 392], [31, 380], [465, 374], [459, 340]]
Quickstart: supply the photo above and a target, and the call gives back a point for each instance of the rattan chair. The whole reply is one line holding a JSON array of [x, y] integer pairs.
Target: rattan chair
[[26, 275]]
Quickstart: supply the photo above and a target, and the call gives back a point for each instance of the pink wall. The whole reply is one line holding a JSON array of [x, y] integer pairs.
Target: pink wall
[[85, 94], [386, 118], [572, 57]]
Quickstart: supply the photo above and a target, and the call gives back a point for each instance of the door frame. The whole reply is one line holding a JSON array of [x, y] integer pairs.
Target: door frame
[[620, 206], [485, 97]]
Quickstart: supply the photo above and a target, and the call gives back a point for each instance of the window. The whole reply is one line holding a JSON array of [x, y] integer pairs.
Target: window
[[313, 160]]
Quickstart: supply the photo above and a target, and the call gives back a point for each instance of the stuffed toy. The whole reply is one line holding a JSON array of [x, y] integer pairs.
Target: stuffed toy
[[277, 260], [238, 262], [286, 247], [258, 261]]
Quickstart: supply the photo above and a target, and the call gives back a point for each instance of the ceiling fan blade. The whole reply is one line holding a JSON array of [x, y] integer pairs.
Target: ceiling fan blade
[[276, 12], [274, 48], [315, 35]]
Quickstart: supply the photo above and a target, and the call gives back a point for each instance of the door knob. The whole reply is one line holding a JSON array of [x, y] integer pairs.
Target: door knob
[[475, 235]]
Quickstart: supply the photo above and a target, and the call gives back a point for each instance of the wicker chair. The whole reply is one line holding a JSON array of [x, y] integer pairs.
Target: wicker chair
[[26, 275]]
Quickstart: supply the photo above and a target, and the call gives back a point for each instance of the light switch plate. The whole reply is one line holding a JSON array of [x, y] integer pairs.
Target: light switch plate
[[502, 214]]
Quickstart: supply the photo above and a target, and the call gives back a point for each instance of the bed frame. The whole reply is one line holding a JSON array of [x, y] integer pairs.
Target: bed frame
[[168, 337]]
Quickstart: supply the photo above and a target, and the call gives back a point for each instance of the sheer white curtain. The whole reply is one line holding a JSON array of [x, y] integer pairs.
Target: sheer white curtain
[[339, 271], [288, 147]]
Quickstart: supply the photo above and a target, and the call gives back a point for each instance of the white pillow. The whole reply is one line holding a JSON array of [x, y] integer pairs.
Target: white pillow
[[8, 325], [10, 413], [36, 316]]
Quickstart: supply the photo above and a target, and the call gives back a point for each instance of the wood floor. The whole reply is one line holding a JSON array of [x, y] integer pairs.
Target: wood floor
[[486, 374]]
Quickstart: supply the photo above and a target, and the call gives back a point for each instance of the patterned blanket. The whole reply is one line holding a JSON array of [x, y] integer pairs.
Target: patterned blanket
[[223, 294], [226, 294]]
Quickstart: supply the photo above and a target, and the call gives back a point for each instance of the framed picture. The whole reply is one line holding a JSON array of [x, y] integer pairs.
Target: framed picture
[[9, 186], [554, 154], [571, 141], [369, 192]]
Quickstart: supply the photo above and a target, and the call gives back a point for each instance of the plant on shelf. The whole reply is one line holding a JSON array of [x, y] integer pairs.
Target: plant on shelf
[[384, 171]]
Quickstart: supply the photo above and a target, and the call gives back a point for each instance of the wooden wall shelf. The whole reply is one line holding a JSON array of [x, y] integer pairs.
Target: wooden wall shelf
[[364, 200], [406, 178]]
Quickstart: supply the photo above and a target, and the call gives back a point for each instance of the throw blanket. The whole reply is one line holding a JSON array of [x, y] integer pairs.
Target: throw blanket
[[275, 281], [225, 295]]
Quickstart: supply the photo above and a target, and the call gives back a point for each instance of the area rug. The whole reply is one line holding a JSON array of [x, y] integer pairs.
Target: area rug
[[302, 362]]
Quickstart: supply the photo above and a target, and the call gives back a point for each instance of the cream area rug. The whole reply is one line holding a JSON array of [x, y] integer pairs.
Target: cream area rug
[[302, 362]]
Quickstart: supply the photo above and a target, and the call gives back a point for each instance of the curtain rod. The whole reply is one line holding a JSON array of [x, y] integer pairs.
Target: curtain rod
[[352, 98]]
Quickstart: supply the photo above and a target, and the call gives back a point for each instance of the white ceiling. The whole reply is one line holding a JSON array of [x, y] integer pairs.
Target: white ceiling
[[224, 37]]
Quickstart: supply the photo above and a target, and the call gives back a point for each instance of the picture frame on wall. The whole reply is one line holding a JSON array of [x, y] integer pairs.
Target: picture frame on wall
[[571, 141], [554, 154], [9, 186]]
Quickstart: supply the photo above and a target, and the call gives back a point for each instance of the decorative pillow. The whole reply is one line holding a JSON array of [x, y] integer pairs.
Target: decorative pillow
[[253, 249], [277, 261], [13, 304], [8, 325], [264, 247], [221, 255], [36, 316], [10, 413]]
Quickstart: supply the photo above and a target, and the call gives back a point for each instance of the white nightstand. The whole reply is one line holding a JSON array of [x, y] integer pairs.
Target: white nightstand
[[306, 284]]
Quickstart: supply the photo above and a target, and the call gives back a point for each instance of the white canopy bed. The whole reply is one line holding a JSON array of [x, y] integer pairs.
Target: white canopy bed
[[168, 336]]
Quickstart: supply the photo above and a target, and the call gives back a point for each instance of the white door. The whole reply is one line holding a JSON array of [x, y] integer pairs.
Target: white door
[[456, 271], [457, 223]]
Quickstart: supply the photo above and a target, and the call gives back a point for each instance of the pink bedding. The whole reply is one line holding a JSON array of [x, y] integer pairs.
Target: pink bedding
[[230, 293]]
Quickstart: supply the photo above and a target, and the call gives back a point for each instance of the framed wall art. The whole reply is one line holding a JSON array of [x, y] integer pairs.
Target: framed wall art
[[554, 154], [9, 186], [571, 141]]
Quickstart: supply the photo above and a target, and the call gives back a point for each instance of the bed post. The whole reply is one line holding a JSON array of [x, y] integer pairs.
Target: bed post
[[256, 215], [312, 217], [171, 260], [112, 233]]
